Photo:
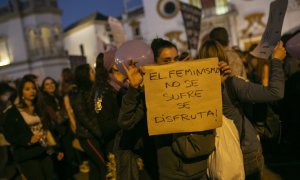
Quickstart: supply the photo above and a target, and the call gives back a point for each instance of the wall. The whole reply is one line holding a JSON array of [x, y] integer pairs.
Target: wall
[[13, 31], [87, 36]]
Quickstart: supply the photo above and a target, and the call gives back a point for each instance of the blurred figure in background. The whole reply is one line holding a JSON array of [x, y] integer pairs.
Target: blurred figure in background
[[88, 130], [5, 101], [220, 34], [59, 125], [67, 81]]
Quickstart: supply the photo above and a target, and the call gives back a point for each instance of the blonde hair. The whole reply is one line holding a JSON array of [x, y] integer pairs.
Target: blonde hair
[[212, 48]]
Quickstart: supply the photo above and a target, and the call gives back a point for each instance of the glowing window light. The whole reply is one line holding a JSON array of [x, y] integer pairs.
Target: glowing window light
[[221, 7], [4, 61], [4, 58]]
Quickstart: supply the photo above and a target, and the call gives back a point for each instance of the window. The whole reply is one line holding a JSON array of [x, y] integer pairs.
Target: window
[[137, 31], [4, 53], [206, 4], [221, 6], [32, 43], [111, 38], [196, 3], [135, 25], [47, 40]]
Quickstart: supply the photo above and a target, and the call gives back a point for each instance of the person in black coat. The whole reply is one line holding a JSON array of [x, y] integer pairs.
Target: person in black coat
[[59, 125], [96, 109], [87, 128], [107, 93], [26, 130]]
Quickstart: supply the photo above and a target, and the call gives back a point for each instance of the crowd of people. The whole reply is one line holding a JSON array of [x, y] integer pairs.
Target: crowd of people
[[95, 120]]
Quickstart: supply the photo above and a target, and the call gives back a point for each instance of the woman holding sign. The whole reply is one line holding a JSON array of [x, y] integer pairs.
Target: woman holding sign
[[171, 165], [236, 91]]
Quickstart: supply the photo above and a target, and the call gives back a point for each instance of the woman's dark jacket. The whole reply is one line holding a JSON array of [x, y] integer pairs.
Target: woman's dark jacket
[[56, 114], [18, 134], [102, 125], [107, 117], [86, 121]]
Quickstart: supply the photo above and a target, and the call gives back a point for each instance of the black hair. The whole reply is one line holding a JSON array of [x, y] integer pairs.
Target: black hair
[[158, 44], [101, 77], [36, 102], [32, 77], [101, 72], [67, 75], [5, 87], [220, 34], [82, 77]]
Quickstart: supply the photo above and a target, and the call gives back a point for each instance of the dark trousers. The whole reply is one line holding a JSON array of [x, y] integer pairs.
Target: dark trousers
[[38, 169], [254, 164], [96, 158], [3, 160], [68, 166]]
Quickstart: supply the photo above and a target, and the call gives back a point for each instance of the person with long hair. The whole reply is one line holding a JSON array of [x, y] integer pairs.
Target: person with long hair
[[220, 34], [88, 130], [60, 126], [67, 81], [54, 104], [107, 92], [26, 130], [236, 91]]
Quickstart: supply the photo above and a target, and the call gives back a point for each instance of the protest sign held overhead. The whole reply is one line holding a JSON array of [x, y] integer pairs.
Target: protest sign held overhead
[[183, 96], [272, 33], [191, 16]]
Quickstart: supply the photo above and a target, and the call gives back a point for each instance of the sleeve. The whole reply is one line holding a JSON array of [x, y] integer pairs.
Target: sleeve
[[132, 109], [70, 112], [13, 129], [85, 115], [251, 92]]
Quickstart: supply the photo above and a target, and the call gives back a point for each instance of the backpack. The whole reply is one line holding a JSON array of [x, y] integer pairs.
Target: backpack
[[194, 145]]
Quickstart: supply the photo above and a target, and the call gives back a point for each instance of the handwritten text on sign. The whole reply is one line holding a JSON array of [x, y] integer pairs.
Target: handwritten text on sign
[[183, 96]]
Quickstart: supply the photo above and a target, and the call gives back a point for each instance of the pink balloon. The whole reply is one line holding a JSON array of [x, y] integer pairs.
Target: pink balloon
[[137, 51], [293, 46]]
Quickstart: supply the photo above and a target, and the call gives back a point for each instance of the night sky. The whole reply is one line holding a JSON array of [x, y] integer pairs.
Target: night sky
[[74, 10]]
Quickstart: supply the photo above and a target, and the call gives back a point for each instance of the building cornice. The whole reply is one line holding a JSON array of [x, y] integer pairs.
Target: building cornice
[[30, 61], [8, 17], [79, 27], [43, 10], [29, 12]]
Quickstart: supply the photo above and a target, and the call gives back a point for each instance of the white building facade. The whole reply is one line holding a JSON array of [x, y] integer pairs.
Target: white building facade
[[88, 37], [31, 39], [245, 20]]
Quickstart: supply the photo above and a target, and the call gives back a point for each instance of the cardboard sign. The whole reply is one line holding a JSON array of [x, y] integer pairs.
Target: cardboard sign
[[272, 33], [183, 96]]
